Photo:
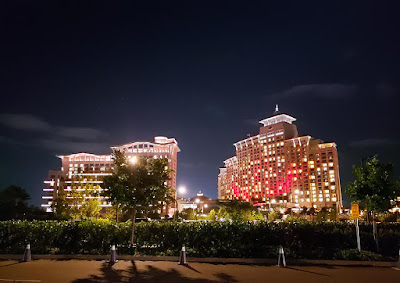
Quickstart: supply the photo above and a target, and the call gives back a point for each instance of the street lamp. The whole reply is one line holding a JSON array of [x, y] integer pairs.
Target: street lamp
[[204, 206], [181, 190], [133, 160]]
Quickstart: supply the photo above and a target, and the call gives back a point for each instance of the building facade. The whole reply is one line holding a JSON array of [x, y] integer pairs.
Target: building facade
[[278, 167], [79, 169]]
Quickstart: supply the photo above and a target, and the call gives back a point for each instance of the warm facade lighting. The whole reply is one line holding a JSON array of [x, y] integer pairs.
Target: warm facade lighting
[[91, 168], [278, 163]]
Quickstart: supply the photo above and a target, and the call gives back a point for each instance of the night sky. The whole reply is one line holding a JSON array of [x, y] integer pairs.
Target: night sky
[[87, 75]]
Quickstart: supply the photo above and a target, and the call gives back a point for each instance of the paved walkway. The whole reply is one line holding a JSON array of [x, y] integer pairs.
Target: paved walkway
[[162, 271]]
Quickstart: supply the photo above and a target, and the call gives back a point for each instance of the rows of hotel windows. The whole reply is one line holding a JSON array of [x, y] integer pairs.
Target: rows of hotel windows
[[256, 182], [146, 147]]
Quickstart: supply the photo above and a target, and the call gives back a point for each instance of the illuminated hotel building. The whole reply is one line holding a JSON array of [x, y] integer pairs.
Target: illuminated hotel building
[[278, 167], [91, 168]]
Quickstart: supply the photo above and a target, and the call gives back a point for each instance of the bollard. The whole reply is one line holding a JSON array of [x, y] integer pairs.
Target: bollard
[[113, 257], [398, 262], [182, 258], [281, 257], [27, 254]]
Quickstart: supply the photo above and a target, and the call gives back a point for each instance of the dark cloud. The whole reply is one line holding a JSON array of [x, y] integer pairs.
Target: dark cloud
[[330, 91], [53, 138], [6, 140], [79, 133], [67, 146], [24, 122], [378, 142]]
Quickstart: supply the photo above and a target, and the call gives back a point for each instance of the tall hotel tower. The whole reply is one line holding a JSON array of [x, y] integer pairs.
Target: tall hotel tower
[[278, 167], [91, 168]]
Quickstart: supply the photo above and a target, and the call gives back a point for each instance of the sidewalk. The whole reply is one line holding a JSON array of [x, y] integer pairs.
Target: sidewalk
[[259, 261], [79, 271]]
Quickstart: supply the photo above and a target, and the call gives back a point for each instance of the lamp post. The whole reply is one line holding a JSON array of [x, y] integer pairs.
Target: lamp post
[[197, 204], [181, 190]]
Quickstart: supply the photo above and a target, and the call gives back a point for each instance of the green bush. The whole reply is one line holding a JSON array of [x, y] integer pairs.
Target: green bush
[[355, 254], [323, 240]]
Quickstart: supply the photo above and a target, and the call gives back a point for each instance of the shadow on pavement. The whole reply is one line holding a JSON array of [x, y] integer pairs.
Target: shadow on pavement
[[191, 268], [14, 263], [151, 274], [225, 277], [307, 271]]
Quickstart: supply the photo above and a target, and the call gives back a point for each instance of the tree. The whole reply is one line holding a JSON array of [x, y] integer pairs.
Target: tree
[[113, 212], [212, 215], [323, 214], [374, 185], [188, 214], [86, 204], [238, 211], [13, 202], [90, 209], [274, 215], [62, 206], [140, 186], [78, 202]]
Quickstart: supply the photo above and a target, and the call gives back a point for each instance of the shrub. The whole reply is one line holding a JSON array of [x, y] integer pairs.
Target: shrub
[[355, 254], [323, 240]]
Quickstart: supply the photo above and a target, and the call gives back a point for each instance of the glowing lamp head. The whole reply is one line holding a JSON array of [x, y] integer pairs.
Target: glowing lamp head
[[181, 190], [133, 160], [206, 205], [197, 200]]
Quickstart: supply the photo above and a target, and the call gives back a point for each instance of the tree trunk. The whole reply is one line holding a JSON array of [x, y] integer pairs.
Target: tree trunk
[[116, 213], [133, 225]]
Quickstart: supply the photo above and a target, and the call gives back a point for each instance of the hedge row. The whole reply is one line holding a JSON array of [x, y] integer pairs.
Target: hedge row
[[326, 240]]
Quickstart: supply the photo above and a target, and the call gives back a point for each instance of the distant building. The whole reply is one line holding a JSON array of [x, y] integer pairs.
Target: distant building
[[91, 168], [278, 167], [200, 202]]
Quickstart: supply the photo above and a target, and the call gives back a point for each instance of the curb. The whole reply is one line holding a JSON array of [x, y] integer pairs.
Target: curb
[[259, 261]]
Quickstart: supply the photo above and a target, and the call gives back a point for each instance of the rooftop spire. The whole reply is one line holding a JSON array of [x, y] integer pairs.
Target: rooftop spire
[[276, 109]]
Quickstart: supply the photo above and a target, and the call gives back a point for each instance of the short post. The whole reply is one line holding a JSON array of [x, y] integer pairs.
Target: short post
[[398, 261], [27, 254], [358, 236], [182, 258], [281, 257], [113, 257]]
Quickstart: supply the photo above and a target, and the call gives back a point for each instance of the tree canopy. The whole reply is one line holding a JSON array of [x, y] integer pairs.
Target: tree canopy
[[79, 202], [374, 185], [140, 186], [238, 211], [13, 202]]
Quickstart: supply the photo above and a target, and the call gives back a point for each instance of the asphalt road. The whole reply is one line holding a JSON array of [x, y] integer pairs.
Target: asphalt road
[[162, 271]]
